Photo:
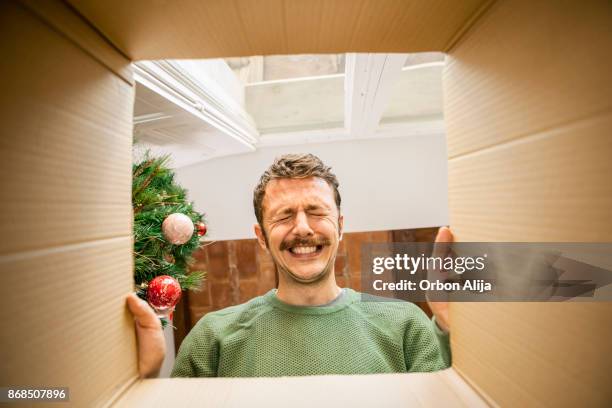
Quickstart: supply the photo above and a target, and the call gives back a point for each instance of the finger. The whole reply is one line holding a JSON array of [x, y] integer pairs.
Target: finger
[[444, 235], [143, 314], [441, 249]]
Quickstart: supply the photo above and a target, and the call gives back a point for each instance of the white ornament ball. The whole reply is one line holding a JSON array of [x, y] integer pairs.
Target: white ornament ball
[[177, 228]]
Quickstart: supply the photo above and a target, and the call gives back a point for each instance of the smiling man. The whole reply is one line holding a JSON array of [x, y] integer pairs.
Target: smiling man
[[308, 325]]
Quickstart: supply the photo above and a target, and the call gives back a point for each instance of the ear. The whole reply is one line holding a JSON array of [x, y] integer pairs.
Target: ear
[[340, 226], [260, 237]]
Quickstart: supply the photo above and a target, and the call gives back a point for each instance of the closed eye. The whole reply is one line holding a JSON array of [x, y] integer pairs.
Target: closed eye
[[283, 218]]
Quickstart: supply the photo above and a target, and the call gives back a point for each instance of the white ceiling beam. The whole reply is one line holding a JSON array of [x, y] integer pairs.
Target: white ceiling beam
[[169, 80], [369, 81], [416, 128]]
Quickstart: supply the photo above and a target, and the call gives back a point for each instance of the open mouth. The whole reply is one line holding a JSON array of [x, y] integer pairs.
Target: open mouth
[[305, 251]]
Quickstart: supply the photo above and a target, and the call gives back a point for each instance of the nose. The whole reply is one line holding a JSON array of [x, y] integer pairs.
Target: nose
[[301, 227]]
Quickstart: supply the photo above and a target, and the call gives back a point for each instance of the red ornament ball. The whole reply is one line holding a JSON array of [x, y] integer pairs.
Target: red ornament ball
[[163, 293], [201, 228]]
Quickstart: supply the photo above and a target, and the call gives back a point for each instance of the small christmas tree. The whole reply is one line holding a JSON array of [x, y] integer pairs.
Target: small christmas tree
[[164, 220]]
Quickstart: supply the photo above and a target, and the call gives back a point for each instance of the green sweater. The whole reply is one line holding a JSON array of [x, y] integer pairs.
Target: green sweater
[[268, 338]]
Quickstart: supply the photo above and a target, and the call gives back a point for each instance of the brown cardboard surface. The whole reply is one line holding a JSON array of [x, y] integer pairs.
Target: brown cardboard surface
[[68, 325], [219, 28], [549, 187], [533, 354], [525, 68], [79, 31], [65, 171], [529, 115], [66, 144], [440, 389]]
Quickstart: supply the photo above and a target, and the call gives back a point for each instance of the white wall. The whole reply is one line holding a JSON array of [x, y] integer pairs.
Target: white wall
[[385, 184], [168, 364]]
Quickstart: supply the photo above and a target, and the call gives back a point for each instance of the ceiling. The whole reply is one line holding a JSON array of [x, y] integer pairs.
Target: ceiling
[[198, 110]]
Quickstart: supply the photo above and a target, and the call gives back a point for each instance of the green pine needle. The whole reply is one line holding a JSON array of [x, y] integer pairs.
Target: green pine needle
[[155, 195]]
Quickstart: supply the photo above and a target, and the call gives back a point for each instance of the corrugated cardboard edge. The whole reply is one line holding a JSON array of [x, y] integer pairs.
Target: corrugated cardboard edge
[[468, 25], [476, 388], [66, 21], [454, 41], [443, 388], [121, 392]]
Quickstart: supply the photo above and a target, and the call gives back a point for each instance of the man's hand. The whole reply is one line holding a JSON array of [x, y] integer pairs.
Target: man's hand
[[151, 342], [440, 309]]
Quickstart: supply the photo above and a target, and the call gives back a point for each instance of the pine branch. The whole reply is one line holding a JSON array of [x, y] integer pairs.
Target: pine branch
[[146, 182], [140, 168], [155, 196]]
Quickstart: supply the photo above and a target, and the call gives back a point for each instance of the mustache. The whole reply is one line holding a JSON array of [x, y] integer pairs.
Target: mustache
[[304, 242]]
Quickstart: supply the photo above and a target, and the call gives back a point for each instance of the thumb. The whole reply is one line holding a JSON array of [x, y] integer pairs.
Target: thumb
[[143, 314], [444, 235], [441, 249]]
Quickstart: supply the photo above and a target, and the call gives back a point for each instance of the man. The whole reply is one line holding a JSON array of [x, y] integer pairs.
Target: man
[[309, 325]]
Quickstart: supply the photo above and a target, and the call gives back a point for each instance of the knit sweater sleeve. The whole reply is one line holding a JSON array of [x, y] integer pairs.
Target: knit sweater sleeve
[[198, 355], [444, 342], [426, 347]]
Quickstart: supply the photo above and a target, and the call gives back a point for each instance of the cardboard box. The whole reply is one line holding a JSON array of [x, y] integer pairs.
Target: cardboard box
[[66, 219], [440, 389], [528, 107]]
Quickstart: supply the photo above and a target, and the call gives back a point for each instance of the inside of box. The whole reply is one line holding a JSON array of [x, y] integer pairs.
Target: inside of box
[[528, 113]]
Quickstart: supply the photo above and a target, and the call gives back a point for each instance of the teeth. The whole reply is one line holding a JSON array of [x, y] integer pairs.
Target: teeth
[[304, 250]]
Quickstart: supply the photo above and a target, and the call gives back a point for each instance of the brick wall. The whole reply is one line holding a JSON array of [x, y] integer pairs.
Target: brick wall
[[240, 270]]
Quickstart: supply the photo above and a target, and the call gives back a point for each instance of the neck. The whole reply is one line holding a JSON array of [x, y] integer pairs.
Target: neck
[[311, 294]]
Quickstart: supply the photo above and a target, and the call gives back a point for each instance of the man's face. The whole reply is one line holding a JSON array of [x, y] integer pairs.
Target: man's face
[[302, 227]]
